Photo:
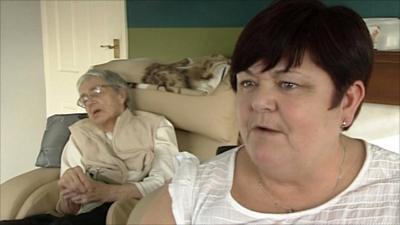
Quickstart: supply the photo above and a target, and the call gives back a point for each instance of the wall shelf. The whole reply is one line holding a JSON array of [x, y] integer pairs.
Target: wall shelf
[[384, 85]]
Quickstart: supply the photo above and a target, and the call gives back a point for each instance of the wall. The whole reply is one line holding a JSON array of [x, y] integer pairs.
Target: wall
[[171, 29], [23, 106]]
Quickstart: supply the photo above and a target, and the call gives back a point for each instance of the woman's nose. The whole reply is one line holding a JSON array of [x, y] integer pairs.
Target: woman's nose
[[90, 101], [263, 100]]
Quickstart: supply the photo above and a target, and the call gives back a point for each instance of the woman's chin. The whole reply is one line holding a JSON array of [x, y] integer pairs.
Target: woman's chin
[[98, 120], [263, 152]]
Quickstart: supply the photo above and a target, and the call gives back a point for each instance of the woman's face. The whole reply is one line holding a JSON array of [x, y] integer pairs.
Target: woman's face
[[286, 116], [105, 106]]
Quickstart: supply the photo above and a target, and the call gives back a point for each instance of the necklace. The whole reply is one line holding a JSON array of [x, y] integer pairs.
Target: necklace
[[290, 209]]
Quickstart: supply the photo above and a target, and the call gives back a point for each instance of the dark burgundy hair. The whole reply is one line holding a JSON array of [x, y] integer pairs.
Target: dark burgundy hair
[[336, 38]]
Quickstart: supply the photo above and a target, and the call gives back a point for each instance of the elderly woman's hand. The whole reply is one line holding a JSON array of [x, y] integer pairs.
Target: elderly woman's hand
[[74, 181], [102, 192], [71, 184], [99, 192]]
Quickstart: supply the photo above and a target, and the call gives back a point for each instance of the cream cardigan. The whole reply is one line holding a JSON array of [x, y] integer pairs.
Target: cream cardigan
[[130, 149]]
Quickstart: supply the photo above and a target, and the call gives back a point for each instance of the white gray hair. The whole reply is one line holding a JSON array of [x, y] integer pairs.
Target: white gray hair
[[111, 78]]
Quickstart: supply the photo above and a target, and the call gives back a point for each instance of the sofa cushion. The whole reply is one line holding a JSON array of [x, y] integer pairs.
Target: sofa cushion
[[212, 116], [55, 137]]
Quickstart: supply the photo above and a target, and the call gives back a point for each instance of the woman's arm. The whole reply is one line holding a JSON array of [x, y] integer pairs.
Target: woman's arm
[[102, 192], [155, 208], [70, 164], [165, 150]]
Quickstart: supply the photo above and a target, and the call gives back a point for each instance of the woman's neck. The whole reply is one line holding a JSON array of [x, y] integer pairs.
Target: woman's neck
[[304, 188], [302, 173]]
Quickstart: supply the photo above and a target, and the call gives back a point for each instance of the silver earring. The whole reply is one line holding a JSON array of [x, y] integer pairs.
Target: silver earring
[[344, 124]]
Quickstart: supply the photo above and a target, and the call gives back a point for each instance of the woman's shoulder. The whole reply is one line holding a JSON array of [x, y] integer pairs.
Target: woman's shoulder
[[84, 126], [194, 183], [381, 164], [189, 165], [149, 116], [383, 157], [221, 160]]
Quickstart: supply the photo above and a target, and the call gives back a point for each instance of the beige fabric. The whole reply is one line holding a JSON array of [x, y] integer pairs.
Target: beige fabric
[[16, 191], [212, 116], [119, 211], [201, 146], [131, 148], [42, 200], [131, 70]]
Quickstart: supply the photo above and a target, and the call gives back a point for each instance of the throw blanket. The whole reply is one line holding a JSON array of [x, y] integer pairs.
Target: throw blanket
[[189, 76]]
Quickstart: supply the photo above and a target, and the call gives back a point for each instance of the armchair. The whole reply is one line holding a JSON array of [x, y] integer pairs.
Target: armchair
[[202, 123]]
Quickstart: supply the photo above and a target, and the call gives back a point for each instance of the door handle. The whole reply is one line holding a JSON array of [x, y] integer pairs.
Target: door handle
[[115, 47]]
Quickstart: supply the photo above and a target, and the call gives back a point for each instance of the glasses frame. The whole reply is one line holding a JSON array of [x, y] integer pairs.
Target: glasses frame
[[94, 92]]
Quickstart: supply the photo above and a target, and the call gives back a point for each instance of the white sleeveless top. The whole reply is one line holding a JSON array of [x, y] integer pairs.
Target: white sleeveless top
[[201, 194]]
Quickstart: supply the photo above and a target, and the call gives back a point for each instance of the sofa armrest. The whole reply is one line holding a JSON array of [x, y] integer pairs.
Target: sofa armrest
[[16, 191]]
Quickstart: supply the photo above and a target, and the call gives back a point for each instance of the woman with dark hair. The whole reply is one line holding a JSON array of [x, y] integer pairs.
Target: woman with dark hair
[[300, 71]]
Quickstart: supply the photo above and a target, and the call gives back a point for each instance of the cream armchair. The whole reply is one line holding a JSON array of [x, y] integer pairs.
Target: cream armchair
[[202, 124]]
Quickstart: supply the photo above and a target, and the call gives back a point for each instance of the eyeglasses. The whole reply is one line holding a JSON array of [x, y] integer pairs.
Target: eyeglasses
[[94, 92]]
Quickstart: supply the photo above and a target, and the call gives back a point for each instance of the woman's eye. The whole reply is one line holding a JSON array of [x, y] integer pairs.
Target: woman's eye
[[288, 85], [247, 83]]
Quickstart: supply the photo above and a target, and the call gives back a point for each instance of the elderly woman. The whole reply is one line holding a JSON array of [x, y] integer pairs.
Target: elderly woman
[[115, 154], [300, 71]]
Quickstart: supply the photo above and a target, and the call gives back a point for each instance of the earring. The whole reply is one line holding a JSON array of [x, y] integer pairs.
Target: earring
[[344, 124]]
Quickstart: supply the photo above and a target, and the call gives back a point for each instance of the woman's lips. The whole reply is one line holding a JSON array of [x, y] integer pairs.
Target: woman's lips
[[95, 111], [265, 129]]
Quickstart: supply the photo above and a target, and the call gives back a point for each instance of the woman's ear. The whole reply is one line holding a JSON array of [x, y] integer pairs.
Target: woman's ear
[[122, 96], [351, 101]]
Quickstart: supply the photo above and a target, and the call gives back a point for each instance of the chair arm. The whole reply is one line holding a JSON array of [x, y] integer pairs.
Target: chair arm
[[17, 190], [42, 200]]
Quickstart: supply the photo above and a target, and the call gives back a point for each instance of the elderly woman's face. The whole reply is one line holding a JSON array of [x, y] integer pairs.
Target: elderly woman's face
[[286, 115], [103, 108]]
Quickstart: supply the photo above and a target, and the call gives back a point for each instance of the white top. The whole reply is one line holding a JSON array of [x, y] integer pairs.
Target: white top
[[165, 150], [201, 194]]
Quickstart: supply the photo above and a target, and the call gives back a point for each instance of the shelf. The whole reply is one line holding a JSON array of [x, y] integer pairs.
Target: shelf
[[384, 85]]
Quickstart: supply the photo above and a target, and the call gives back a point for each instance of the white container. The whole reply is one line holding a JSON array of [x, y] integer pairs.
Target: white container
[[385, 32]]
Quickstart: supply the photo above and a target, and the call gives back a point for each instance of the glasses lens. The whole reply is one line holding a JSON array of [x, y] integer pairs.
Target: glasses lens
[[96, 91], [82, 101]]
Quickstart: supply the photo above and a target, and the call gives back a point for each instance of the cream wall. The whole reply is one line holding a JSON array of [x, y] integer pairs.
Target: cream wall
[[23, 106]]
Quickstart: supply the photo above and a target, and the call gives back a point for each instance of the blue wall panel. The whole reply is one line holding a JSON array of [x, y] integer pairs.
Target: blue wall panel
[[229, 13]]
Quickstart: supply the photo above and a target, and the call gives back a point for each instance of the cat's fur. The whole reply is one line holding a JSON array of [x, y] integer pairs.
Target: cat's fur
[[182, 74]]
